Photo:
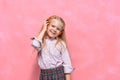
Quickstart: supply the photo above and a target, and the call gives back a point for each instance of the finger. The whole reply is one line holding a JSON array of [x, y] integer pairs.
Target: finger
[[45, 22]]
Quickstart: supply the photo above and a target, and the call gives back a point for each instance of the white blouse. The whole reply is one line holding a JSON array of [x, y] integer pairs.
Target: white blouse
[[53, 55]]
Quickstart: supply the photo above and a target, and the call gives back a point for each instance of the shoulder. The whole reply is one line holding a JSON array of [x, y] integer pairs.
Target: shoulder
[[62, 43]]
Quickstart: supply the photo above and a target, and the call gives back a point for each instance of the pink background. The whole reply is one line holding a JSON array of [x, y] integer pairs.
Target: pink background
[[93, 35]]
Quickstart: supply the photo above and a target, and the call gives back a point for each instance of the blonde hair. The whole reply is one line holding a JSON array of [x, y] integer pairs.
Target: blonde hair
[[61, 38]]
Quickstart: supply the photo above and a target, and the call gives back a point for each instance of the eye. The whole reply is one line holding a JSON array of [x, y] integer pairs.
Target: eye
[[58, 29], [53, 26]]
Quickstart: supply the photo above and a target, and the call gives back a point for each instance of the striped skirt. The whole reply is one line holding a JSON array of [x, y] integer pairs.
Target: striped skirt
[[53, 74]]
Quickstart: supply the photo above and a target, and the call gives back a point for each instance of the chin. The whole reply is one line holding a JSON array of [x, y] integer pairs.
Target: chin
[[51, 36]]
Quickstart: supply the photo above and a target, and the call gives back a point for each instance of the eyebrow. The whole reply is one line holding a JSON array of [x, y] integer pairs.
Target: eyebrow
[[60, 28]]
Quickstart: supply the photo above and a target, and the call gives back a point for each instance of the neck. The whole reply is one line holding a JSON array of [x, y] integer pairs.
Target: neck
[[52, 38]]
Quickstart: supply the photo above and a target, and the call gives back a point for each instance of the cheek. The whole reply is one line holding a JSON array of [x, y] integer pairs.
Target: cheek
[[49, 27], [59, 33]]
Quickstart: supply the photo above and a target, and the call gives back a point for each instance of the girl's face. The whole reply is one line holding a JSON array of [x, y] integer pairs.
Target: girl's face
[[54, 28]]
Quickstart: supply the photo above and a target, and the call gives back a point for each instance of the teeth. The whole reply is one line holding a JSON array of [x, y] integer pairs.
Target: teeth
[[52, 32]]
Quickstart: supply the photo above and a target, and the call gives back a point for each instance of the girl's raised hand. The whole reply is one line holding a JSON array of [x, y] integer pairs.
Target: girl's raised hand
[[44, 28], [45, 24]]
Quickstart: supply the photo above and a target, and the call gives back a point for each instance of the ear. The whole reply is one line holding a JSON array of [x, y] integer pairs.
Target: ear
[[60, 33]]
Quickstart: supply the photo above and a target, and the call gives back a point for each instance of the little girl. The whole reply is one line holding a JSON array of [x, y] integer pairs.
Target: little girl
[[53, 55]]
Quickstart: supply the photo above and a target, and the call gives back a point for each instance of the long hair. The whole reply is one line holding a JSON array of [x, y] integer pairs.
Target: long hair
[[60, 37]]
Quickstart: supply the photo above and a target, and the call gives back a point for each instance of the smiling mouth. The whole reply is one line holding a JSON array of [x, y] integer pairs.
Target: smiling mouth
[[52, 32]]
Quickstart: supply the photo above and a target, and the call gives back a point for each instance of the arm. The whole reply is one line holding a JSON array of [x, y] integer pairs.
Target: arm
[[67, 75], [37, 41], [66, 62], [36, 44], [40, 36]]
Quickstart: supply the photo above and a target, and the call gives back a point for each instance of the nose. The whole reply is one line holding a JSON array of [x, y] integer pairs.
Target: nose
[[55, 29]]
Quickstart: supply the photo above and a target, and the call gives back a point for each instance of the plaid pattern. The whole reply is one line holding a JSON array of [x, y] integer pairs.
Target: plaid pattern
[[53, 74]]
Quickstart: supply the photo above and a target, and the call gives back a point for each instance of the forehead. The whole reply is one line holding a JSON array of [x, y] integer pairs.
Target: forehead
[[56, 23]]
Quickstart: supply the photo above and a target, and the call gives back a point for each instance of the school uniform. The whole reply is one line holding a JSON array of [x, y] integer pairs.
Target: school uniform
[[54, 60]]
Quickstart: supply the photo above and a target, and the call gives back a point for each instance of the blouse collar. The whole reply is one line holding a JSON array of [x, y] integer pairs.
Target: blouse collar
[[48, 38]]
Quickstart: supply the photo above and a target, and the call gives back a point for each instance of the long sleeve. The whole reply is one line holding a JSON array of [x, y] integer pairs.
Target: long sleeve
[[66, 60], [36, 44]]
